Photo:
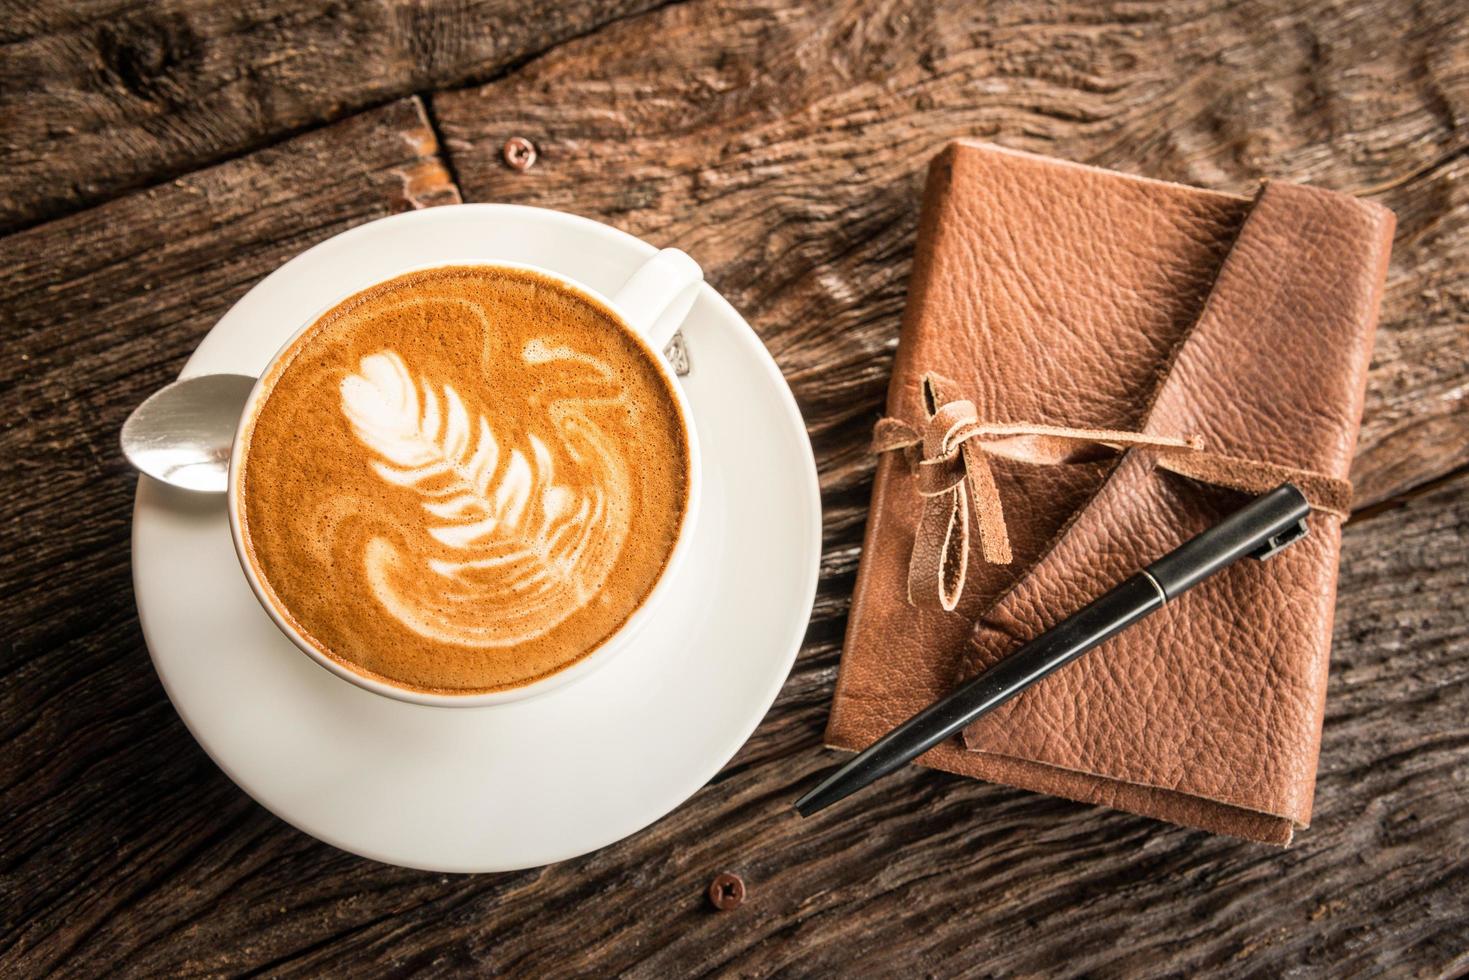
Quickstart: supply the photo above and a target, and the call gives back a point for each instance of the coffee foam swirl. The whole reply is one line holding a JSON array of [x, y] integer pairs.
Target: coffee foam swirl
[[441, 485], [511, 538]]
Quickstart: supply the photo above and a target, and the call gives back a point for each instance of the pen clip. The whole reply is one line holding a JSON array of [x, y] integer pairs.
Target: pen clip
[[1279, 542]]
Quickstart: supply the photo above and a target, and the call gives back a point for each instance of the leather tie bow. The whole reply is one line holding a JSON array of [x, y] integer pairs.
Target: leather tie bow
[[953, 476]]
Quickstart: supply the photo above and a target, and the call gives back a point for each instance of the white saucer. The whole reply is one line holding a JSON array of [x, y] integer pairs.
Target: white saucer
[[529, 783]]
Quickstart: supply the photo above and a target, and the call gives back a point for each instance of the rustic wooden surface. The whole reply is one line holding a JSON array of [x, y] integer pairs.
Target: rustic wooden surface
[[155, 161], [105, 95]]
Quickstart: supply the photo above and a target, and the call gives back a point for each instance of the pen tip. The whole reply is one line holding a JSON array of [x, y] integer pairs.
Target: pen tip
[[814, 799]]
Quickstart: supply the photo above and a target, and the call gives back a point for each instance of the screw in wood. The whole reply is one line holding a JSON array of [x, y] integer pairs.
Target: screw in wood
[[519, 153], [726, 891]]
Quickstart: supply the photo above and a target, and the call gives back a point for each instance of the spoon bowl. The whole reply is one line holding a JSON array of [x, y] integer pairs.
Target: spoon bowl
[[183, 433]]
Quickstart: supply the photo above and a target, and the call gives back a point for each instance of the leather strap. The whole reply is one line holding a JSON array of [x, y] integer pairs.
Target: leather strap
[[951, 453]]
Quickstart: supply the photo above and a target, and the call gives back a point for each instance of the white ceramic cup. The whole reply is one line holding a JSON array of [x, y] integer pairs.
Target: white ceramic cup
[[651, 305]]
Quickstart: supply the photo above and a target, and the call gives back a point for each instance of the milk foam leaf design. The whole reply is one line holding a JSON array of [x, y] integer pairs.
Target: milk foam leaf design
[[506, 552]]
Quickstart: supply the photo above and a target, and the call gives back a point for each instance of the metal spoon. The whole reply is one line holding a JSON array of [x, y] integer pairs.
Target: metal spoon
[[183, 433]]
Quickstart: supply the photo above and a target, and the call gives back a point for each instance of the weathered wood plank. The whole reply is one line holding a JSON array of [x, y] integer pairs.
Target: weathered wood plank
[[108, 95], [783, 145], [99, 309]]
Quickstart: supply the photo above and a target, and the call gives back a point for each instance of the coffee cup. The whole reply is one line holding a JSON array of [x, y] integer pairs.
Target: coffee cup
[[651, 305]]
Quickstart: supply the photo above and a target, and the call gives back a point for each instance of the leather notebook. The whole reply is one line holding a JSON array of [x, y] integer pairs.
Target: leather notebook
[[1093, 368]]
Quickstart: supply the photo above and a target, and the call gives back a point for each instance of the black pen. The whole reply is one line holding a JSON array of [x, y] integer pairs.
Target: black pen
[[1258, 530]]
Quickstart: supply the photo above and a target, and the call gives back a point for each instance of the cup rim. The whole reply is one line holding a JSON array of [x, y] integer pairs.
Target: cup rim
[[589, 661]]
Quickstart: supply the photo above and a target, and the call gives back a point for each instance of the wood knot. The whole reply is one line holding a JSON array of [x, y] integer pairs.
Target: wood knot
[[150, 55]]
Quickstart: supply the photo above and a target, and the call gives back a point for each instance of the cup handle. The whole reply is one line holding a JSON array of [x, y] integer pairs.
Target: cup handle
[[659, 295]]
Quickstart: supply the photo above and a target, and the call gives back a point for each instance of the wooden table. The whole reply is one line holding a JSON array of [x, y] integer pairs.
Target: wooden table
[[157, 160]]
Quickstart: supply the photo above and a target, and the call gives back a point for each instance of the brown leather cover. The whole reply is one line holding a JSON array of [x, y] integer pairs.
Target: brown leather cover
[[1051, 292]]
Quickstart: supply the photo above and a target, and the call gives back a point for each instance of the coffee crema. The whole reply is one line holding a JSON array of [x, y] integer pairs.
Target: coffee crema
[[463, 480]]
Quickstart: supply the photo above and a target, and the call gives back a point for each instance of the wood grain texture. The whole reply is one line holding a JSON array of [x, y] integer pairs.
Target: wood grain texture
[[104, 95], [783, 145]]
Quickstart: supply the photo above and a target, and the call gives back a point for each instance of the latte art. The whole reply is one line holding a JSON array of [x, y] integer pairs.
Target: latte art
[[463, 480], [508, 532]]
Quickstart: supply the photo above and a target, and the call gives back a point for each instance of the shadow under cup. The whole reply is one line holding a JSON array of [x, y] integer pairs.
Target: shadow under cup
[[648, 308]]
